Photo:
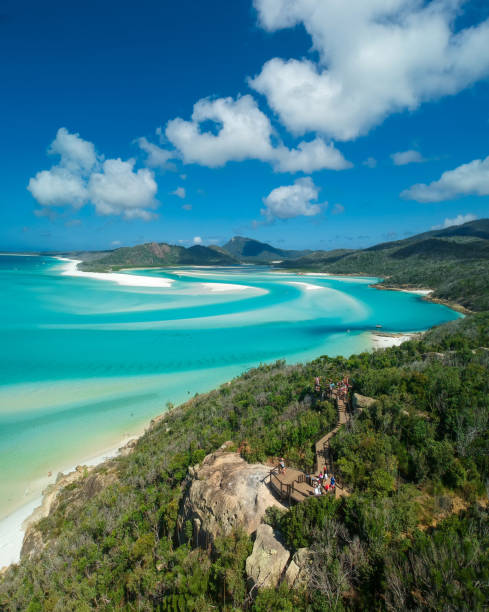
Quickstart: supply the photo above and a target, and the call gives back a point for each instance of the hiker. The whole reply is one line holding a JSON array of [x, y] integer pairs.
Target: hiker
[[317, 490], [317, 381], [281, 465], [325, 473], [333, 482]]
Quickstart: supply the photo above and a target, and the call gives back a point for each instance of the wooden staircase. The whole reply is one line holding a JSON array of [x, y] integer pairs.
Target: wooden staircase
[[323, 457], [293, 485]]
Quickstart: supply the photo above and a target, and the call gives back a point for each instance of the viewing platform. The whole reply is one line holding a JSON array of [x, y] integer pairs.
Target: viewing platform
[[295, 486]]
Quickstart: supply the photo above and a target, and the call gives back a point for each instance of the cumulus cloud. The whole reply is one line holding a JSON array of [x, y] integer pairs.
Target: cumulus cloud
[[179, 192], [76, 154], [58, 187], [375, 58], [468, 179], [197, 240], [156, 156], [407, 157], [291, 201], [309, 157], [240, 130], [119, 190], [458, 220], [81, 176]]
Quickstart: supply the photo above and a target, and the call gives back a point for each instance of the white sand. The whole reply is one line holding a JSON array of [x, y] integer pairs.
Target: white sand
[[12, 533], [418, 291], [306, 286], [379, 341], [13, 526], [129, 280]]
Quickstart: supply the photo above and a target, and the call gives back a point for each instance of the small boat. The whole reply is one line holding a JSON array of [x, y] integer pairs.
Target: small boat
[[378, 326]]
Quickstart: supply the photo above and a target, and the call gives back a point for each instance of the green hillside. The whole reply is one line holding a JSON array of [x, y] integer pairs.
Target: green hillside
[[158, 255], [412, 534], [454, 262], [252, 251]]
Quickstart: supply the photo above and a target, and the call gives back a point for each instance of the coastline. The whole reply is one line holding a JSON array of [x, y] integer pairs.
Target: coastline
[[129, 280], [14, 526], [382, 340], [426, 295]]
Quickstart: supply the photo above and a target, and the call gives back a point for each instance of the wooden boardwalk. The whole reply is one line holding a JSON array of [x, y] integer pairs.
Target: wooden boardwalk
[[293, 485]]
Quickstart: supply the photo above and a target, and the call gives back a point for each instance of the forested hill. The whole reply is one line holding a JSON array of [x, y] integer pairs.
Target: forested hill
[[252, 251], [412, 533], [454, 262], [159, 255]]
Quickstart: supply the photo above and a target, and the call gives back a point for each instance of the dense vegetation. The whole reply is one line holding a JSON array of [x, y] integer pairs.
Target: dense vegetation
[[454, 262], [154, 254], [411, 535], [253, 251]]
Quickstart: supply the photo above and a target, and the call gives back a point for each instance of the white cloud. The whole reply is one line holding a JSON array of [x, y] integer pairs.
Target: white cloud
[[113, 186], [370, 162], [309, 157], [115, 243], [241, 131], [197, 240], [376, 58], [407, 157], [458, 220], [179, 192], [291, 201], [58, 187], [76, 154], [119, 190], [468, 179], [156, 156]]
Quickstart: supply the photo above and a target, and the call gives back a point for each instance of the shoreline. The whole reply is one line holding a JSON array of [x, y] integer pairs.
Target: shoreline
[[129, 280], [382, 340], [426, 296], [15, 525]]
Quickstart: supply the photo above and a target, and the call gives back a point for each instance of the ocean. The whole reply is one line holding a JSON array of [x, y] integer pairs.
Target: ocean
[[85, 363]]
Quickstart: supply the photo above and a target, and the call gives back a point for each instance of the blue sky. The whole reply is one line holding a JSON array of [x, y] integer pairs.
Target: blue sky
[[309, 124]]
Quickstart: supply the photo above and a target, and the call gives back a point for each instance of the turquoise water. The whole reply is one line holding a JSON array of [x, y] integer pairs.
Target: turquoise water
[[86, 362]]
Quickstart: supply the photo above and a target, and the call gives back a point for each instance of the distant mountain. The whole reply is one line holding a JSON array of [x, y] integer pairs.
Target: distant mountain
[[155, 254], [252, 251], [452, 261]]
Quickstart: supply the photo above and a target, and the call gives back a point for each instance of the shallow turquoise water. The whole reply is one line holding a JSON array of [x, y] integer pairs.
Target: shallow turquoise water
[[85, 362]]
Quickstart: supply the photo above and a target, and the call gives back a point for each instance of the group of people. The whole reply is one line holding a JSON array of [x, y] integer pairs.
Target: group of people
[[323, 484], [341, 387]]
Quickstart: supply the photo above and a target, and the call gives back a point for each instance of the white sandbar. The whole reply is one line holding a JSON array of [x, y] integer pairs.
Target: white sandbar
[[129, 280]]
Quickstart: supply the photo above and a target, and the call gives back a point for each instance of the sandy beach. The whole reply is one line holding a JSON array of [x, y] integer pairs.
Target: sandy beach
[[129, 280], [13, 526], [385, 340]]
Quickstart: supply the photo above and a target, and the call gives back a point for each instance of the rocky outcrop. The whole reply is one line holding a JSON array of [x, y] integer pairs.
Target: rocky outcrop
[[299, 571], [222, 493], [267, 562], [360, 402]]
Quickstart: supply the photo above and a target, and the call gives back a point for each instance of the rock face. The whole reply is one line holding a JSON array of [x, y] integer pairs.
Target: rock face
[[360, 402], [225, 492], [298, 573], [267, 562]]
